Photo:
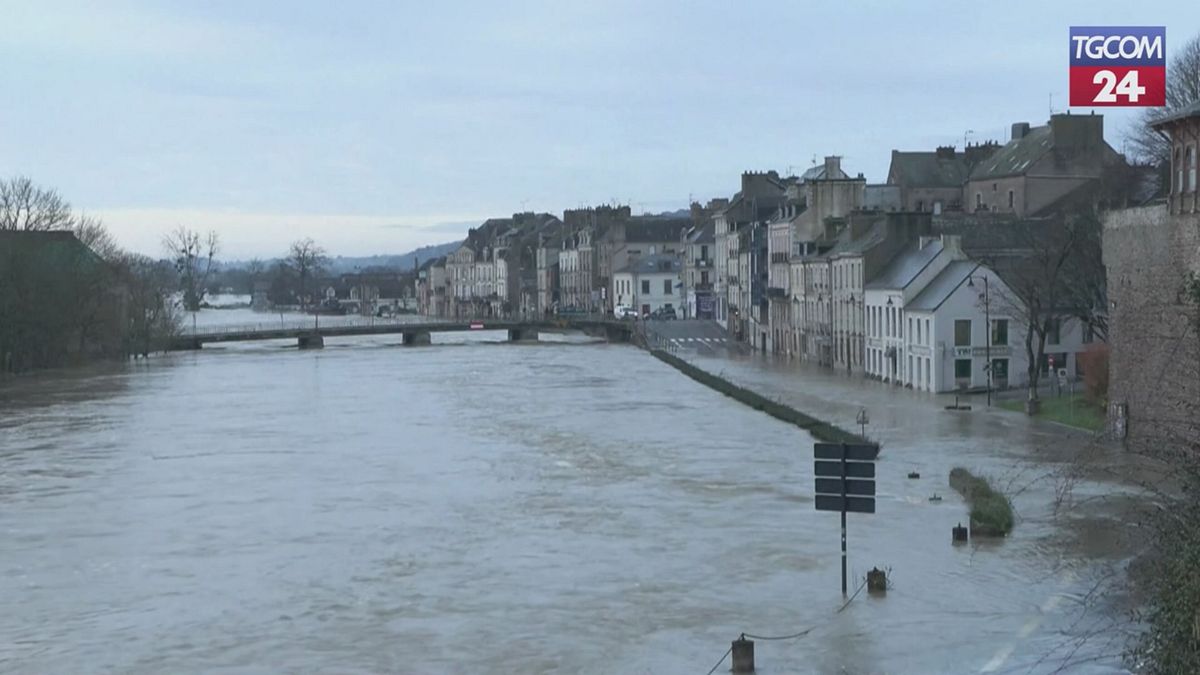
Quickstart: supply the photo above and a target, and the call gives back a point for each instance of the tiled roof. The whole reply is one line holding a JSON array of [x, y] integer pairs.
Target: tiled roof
[[1016, 156], [640, 230], [942, 286], [927, 169], [905, 267], [849, 246]]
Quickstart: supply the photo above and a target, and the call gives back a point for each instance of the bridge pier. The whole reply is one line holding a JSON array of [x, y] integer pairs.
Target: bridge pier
[[522, 335], [418, 338], [313, 341]]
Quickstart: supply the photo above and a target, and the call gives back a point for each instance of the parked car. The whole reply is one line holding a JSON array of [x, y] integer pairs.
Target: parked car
[[666, 313], [624, 312]]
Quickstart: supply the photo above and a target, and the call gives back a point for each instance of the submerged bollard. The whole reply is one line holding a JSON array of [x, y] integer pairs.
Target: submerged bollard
[[876, 581], [960, 534], [743, 655]]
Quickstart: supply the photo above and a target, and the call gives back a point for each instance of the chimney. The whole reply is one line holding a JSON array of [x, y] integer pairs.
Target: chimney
[[833, 167], [1077, 133], [952, 245], [1019, 130], [945, 152]]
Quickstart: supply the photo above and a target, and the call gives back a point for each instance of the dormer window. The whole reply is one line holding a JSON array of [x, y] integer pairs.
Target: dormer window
[[1189, 158]]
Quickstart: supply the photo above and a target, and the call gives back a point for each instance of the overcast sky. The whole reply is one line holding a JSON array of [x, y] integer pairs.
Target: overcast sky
[[381, 126]]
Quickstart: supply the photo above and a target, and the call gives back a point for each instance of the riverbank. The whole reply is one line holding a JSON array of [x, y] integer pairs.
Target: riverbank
[[820, 430]]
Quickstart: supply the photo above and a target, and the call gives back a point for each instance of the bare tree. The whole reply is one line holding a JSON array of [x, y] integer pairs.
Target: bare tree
[[25, 206], [92, 232], [194, 259], [1048, 261], [1183, 89], [307, 259], [151, 315]]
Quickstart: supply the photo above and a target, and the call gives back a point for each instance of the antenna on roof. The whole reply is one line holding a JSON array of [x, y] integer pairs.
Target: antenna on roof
[[1050, 105]]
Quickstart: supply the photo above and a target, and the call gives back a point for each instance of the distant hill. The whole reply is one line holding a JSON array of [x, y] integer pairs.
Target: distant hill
[[344, 264], [404, 262]]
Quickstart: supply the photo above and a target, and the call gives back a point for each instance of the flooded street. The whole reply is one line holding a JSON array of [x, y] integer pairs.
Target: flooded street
[[502, 508]]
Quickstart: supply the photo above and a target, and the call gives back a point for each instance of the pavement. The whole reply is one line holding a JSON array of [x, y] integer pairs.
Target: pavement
[[700, 336]]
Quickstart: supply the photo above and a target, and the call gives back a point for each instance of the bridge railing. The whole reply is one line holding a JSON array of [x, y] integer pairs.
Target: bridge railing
[[293, 324]]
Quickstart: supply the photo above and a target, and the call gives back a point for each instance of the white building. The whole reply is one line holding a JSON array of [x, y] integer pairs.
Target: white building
[[886, 296], [650, 283], [953, 326]]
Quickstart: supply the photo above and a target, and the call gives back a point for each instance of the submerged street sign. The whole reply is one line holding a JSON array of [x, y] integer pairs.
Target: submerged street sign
[[850, 505], [833, 486], [845, 482], [863, 452], [853, 469]]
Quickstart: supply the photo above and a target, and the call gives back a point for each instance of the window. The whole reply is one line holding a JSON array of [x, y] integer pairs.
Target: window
[[937, 208], [704, 278], [962, 333], [1010, 199], [1000, 332], [920, 205], [666, 286], [1190, 159], [928, 336], [646, 286], [1178, 173], [962, 369], [704, 252], [978, 201], [1089, 334], [1053, 330]]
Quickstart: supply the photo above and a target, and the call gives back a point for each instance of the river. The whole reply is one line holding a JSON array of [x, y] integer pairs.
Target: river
[[475, 507]]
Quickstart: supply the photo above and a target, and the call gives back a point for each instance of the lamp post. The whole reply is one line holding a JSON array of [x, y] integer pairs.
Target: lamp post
[[987, 332]]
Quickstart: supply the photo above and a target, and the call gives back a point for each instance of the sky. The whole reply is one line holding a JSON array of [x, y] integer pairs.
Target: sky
[[377, 127]]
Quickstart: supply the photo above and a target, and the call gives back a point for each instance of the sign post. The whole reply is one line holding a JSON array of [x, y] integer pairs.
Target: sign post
[[845, 481]]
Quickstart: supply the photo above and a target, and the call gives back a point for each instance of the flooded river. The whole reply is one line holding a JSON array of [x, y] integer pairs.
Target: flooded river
[[480, 508]]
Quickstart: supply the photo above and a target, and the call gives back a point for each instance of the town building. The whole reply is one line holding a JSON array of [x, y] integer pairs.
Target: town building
[[759, 198], [933, 181], [649, 284], [698, 270], [957, 334], [1040, 165], [1152, 257], [887, 295]]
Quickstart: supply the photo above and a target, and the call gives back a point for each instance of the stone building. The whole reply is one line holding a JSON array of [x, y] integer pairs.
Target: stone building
[[933, 181], [1040, 165], [1151, 253]]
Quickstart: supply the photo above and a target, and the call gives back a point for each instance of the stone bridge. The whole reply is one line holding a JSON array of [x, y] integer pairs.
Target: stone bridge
[[413, 332]]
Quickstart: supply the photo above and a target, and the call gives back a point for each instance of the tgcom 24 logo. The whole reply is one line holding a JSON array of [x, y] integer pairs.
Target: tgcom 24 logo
[[1118, 66]]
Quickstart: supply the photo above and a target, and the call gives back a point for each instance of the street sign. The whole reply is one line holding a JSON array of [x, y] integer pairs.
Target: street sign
[[845, 474], [860, 452], [833, 486], [853, 469], [852, 505]]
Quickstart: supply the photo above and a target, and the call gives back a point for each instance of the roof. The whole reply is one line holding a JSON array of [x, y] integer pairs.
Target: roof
[[1017, 155], [1185, 112], [651, 264], [642, 230], [818, 173], [942, 286], [846, 245], [927, 169], [703, 234], [27, 243], [905, 267]]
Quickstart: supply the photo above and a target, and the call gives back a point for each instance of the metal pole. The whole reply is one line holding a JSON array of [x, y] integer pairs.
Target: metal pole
[[987, 317], [843, 519]]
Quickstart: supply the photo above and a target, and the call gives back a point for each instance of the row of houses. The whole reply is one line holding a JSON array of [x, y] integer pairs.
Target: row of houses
[[908, 281], [533, 264]]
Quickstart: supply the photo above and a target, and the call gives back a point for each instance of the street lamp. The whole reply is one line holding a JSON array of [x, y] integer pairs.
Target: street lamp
[[987, 333]]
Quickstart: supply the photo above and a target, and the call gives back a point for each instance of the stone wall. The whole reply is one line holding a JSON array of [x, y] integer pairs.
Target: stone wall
[[1153, 328]]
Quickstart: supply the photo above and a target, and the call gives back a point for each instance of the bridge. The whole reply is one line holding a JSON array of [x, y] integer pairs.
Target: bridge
[[311, 335]]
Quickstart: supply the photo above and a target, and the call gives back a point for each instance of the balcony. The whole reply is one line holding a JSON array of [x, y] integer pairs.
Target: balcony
[[704, 263]]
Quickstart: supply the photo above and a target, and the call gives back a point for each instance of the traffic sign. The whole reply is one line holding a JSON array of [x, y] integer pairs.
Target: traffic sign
[[833, 469], [862, 452], [833, 486], [852, 504]]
